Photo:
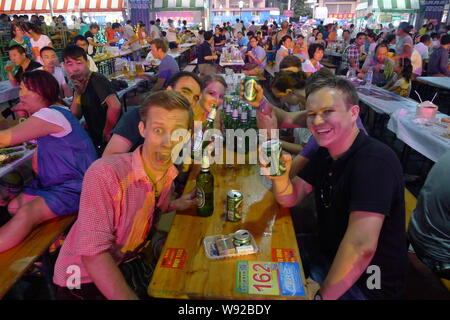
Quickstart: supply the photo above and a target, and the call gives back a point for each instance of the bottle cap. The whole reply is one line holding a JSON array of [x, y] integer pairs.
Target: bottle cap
[[235, 113]]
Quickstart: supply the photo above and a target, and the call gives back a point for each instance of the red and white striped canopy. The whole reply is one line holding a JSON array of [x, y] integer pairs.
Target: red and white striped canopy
[[59, 6]]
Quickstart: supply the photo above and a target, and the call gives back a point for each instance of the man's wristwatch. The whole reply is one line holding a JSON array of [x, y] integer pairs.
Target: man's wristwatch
[[318, 296]]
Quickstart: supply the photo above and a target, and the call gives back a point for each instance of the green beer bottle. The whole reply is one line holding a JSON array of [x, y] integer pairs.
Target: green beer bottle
[[205, 190], [199, 144]]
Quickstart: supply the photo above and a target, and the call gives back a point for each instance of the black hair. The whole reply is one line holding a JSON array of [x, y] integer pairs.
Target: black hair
[[290, 61], [47, 48], [94, 26], [31, 27], [115, 25], [313, 48], [182, 74], [425, 38], [372, 35], [381, 45], [407, 69], [289, 80], [17, 47], [79, 38], [389, 38], [445, 39], [173, 45], [208, 35], [73, 52], [360, 34]]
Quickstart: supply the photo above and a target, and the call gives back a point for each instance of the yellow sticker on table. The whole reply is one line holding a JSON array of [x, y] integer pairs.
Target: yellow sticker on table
[[263, 278]]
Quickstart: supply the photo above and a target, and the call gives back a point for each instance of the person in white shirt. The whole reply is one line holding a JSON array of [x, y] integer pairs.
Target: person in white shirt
[[420, 54], [51, 65], [237, 27], [339, 33], [154, 31], [37, 40], [171, 32], [285, 50]]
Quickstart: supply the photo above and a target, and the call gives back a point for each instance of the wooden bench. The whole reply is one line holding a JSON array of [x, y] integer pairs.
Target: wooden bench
[[15, 262], [190, 68]]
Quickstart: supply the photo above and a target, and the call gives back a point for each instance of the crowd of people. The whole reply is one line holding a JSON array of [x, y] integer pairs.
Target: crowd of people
[[116, 171]]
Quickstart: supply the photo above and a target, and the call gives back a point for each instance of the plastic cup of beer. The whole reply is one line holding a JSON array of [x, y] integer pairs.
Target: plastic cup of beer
[[139, 69], [125, 70]]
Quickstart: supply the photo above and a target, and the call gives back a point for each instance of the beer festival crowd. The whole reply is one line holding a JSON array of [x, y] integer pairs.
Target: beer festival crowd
[[105, 156]]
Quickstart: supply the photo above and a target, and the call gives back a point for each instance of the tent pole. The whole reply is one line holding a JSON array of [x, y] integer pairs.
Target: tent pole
[[50, 4]]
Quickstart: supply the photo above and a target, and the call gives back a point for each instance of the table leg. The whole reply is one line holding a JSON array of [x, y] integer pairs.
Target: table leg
[[405, 154], [124, 98], [48, 275]]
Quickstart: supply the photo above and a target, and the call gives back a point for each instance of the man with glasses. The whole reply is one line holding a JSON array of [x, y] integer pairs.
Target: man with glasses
[[126, 136], [360, 250]]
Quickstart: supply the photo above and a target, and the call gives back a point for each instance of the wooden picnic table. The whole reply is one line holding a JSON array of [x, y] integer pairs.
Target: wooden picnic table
[[204, 278]]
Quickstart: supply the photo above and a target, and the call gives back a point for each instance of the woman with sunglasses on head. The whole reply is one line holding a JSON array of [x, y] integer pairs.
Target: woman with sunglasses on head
[[64, 152]]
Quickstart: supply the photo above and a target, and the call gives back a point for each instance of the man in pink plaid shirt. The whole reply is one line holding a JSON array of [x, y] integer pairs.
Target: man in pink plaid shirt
[[120, 197]]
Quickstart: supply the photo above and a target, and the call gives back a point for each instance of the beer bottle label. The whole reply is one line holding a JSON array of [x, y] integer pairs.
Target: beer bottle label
[[200, 197], [198, 141]]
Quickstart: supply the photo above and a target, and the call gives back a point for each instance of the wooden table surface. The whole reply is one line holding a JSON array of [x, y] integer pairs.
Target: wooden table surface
[[203, 278]]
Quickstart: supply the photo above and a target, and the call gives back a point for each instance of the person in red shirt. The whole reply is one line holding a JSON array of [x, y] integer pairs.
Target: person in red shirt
[[121, 199]]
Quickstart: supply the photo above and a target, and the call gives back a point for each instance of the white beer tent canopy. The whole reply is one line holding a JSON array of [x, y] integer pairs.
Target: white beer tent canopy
[[59, 6]]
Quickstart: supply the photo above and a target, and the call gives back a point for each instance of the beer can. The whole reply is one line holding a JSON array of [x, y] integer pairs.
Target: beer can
[[250, 88], [241, 238], [272, 148], [234, 205]]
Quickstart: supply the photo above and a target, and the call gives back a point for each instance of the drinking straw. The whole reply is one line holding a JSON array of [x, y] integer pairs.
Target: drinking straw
[[418, 96], [434, 97]]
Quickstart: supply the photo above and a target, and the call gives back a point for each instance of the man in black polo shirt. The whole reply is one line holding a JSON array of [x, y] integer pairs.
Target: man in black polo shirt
[[94, 97], [206, 56], [360, 252]]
